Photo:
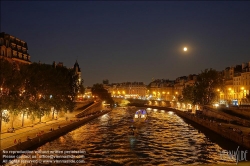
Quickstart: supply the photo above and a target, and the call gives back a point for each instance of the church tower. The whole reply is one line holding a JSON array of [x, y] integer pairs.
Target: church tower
[[77, 70]]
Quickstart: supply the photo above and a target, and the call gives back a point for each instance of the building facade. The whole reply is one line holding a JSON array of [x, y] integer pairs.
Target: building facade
[[230, 78], [161, 89], [128, 90], [179, 85], [191, 79], [245, 83], [14, 48], [236, 85]]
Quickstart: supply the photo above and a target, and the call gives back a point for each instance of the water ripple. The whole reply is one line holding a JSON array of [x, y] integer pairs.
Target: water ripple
[[165, 139]]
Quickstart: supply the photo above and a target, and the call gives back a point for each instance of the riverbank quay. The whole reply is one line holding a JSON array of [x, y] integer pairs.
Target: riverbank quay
[[8, 139], [49, 135], [31, 138], [26, 121], [235, 133]]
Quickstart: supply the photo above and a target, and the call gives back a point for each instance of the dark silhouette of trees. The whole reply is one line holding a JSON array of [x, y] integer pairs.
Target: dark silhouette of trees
[[188, 95], [10, 83], [34, 89], [204, 91], [102, 93]]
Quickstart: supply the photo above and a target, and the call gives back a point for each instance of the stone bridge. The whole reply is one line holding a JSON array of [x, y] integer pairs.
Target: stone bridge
[[158, 103]]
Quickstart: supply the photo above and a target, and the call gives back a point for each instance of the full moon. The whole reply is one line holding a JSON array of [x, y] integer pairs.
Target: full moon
[[185, 48]]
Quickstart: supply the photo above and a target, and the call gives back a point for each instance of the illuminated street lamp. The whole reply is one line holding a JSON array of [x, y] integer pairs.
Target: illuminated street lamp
[[218, 90], [154, 93]]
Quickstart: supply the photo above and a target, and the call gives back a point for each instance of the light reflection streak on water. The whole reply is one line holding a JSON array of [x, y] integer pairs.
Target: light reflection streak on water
[[165, 139]]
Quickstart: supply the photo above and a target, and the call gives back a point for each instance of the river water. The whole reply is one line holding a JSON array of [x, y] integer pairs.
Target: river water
[[164, 139]]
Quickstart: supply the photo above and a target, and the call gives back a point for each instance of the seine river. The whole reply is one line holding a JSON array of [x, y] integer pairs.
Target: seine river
[[164, 139]]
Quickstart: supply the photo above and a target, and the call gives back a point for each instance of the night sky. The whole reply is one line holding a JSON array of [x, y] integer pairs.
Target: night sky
[[132, 41]]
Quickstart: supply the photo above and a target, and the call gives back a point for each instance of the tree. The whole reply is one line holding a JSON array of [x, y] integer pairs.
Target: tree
[[188, 94], [10, 84], [102, 93], [5, 73], [51, 87], [33, 89], [206, 85]]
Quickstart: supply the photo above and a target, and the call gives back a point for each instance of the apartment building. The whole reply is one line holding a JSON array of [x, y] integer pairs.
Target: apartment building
[[128, 90], [14, 48]]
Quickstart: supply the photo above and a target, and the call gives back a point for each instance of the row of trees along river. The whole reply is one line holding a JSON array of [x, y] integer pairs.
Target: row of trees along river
[[33, 89]]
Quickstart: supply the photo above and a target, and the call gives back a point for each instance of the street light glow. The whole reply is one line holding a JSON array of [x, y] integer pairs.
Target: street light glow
[[185, 49]]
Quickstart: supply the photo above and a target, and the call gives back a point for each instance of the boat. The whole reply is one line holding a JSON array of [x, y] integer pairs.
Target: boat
[[140, 116]]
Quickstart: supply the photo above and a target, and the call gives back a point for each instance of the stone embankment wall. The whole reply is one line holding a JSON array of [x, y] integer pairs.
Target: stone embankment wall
[[42, 139], [228, 133]]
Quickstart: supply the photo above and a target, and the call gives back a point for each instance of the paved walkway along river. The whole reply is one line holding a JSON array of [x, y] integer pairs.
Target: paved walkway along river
[[32, 131], [164, 139], [7, 139]]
